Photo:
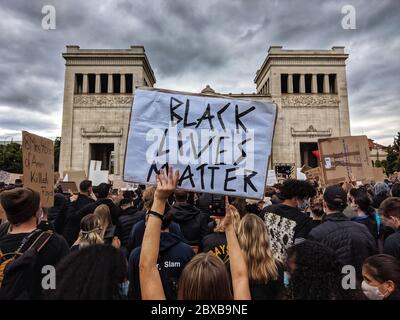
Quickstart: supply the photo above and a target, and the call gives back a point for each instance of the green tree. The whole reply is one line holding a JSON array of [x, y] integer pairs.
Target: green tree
[[57, 147], [396, 143], [391, 161], [11, 157]]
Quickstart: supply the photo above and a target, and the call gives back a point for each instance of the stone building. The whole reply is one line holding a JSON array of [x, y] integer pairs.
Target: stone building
[[97, 102], [308, 86]]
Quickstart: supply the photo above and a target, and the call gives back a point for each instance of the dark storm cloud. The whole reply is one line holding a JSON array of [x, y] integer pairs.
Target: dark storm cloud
[[192, 43]]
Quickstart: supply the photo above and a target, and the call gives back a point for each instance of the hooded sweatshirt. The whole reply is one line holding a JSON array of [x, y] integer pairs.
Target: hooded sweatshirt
[[193, 222], [173, 256]]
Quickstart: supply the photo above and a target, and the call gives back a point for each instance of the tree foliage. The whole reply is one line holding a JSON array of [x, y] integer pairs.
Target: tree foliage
[[11, 157]]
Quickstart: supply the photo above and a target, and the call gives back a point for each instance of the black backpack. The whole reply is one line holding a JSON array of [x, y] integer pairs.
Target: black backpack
[[16, 268]]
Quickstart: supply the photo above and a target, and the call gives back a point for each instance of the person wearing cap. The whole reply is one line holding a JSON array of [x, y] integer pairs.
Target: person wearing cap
[[351, 241], [23, 211]]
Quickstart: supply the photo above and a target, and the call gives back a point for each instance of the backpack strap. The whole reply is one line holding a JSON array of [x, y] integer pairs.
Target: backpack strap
[[42, 237], [37, 244], [41, 240]]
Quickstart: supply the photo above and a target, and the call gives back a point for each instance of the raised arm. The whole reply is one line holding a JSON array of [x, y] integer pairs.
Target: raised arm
[[240, 276], [150, 280]]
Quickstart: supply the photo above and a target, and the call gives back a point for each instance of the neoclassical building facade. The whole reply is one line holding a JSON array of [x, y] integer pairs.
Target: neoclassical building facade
[[308, 86]]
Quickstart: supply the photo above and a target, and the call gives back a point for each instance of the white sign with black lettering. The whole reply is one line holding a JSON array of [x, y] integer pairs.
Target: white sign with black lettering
[[220, 145]]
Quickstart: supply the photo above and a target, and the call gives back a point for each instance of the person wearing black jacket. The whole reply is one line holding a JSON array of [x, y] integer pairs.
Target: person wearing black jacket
[[173, 256], [103, 190], [286, 222], [192, 221], [77, 202], [128, 217], [57, 213], [22, 208], [351, 241], [390, 209]]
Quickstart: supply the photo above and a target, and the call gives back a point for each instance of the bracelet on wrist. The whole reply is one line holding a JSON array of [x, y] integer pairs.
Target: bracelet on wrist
[[156, 214]]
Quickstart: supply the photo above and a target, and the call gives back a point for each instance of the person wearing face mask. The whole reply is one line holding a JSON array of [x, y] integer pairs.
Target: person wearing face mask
[[381, 278], [351, 241], [390, 210], [22, 208], [286, 222]]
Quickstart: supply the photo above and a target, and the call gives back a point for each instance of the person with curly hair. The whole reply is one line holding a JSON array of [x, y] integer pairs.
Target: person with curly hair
[[315, 273], [287, 222]]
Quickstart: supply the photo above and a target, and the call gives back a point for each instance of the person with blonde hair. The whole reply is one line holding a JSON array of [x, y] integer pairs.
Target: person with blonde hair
[[265, 272], [90, 232], [108, 233]]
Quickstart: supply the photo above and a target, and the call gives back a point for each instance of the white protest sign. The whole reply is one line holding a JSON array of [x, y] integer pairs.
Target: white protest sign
[[220, 145], [96, 175], [271, 178], [300, 175]]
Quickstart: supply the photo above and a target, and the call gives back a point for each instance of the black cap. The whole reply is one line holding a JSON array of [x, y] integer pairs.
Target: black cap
[[335, 197]]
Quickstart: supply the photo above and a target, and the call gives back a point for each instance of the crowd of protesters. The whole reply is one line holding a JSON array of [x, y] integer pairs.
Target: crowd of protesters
[[300, 242]]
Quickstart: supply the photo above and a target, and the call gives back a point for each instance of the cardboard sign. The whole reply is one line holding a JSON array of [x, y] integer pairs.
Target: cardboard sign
[[69, 186], [76, 176], [96, 175], [314, 174], [38, 166], [379, 175], [345, 159], [220, 145]]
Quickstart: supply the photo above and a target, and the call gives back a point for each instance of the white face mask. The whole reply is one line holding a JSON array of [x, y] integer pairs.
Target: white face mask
[[371, 292]]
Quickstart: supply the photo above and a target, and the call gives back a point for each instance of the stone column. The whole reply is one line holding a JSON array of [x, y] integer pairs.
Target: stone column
[[290, 83], [314, 87], [97, 87], [85, 83], [302, 83], [326, 83], [110, 83], [122, 89]]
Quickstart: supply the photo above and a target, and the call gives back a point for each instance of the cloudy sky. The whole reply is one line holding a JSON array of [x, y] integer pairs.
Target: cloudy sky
[[193, 43]]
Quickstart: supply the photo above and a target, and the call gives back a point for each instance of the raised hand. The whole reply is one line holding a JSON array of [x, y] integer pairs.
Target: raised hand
[[166, 184]]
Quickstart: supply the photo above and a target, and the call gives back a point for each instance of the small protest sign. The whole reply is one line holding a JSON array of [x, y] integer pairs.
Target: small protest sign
[[345, 159], [96, 175], [38, 166]]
